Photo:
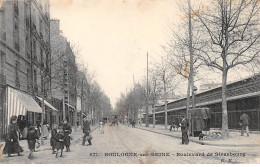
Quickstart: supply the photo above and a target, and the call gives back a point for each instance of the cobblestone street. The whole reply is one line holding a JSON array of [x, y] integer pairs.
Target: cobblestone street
[[124, 144]]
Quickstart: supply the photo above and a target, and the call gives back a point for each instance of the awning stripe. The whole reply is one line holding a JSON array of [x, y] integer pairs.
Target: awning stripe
[[19, 103], [47, 104]]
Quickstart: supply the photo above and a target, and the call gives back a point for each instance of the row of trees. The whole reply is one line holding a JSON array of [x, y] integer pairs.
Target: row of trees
[[93, 99], [219, 35]]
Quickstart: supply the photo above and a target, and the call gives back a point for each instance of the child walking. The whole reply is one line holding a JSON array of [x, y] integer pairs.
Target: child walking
[[60, 142], [32, 138], [54, 138]]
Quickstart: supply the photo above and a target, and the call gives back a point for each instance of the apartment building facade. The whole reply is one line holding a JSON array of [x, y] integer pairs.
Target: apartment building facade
[[25, 58]]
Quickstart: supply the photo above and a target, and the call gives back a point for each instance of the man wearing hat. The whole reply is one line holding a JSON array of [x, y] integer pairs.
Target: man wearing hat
[[12, 139], [86, 131], [184, 129]]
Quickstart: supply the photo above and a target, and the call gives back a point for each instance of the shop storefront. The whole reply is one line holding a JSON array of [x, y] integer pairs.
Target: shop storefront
[[24, 106]]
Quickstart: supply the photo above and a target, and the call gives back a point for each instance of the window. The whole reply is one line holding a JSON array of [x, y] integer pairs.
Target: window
[[42, 60], [42, 84], [40, 26], [17, 68], [27, 47], [16, 8], [34, 50], [35, 80], [28, 79], [26, 14], [2, 24], [2, 62], [16, 34]]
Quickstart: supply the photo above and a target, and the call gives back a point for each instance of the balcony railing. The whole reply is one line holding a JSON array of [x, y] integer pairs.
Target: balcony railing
[[16, 9], [17, 83], [17, 46]]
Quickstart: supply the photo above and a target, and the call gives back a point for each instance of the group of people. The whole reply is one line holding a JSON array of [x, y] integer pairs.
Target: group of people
[[60, 138], [174, 126], [61, 135], [244, 123]]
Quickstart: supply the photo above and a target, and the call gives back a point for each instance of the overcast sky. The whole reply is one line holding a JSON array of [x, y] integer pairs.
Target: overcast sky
[[114, 35]]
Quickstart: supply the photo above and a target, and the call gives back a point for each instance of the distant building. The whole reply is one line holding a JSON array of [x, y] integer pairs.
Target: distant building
[[64, 71], [243, 96], [208, 86]]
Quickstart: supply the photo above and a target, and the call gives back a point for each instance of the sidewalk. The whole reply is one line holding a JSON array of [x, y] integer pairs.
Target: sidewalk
[[77, 136], [235, 139]]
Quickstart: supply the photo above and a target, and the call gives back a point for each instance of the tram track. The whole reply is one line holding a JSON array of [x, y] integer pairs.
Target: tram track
[[190, 159], [125, 145]]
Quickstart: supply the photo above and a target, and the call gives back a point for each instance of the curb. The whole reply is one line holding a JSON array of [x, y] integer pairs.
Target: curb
[[204, 143]]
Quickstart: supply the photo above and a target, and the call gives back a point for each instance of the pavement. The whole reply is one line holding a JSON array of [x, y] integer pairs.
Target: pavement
[[125, 145], [77, 137], [235, 139]]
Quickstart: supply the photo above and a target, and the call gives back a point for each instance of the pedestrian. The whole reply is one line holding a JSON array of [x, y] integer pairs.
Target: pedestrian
[[60, 139], [176, 127], [244, 118], [172, 125], [133, 124], [67, 131], [45, 131], [86, 131], [101, 127], [38, 127], [32, 138], [54, 138], [12, 139], [184, 130]]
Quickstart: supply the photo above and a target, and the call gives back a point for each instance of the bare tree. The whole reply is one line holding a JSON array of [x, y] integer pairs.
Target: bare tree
[[178, 52], [230, 37], [166, 76], [154, 91]]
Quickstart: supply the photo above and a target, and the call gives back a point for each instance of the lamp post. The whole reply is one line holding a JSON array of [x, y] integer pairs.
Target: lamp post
[[146, 111]]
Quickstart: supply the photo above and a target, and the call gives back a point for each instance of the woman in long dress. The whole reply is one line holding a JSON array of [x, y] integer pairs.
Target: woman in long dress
[[67, 131], [45, 132], [12, 139]]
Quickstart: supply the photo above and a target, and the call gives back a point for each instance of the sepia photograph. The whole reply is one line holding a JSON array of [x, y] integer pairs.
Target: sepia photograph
[[129, 82]]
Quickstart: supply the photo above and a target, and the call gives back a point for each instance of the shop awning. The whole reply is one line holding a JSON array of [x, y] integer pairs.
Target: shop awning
[[70, 106], [47, 104], [19, 103]]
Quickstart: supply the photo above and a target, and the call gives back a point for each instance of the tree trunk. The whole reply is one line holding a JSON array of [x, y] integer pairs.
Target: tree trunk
[[225, 132], [165, 105], [153, 115], [188, 104], [64, 111], [188, 99], [81, 112], [75, 119]]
